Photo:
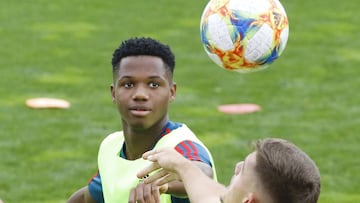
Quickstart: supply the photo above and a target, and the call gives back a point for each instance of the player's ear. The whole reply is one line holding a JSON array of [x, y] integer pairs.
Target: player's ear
[[112, 91], [172, 92]]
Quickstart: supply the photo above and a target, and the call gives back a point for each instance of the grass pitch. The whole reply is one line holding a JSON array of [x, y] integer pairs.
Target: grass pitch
[[63, 49]]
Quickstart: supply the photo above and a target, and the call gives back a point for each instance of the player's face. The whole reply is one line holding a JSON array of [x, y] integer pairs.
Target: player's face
[[142, 91], [245, 179]]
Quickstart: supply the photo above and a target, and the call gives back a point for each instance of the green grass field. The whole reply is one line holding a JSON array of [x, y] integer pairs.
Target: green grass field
[[63, 49]]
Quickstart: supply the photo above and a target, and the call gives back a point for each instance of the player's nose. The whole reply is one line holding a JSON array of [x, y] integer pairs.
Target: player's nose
[[238, 167], [140, 93]]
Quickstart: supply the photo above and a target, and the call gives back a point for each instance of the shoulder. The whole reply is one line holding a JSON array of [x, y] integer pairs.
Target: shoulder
[[194, 151], [111, 144], [115, 136]]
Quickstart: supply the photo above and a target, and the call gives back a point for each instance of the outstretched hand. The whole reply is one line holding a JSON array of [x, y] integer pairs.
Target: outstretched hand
[[169, 165], [166, 161]]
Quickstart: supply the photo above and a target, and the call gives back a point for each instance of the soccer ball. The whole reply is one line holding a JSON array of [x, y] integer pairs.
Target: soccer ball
[[244, 35]]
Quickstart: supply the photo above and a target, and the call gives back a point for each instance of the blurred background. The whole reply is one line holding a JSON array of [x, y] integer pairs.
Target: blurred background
[[63, 49]]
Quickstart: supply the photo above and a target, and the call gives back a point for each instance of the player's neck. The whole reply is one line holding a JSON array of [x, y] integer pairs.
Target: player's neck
[[138, 141], [135, 151]]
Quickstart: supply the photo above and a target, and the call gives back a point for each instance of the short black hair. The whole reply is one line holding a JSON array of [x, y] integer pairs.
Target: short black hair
[[143, 46]]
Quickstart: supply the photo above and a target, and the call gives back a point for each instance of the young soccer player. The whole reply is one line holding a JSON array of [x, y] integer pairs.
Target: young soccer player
[[142, 90], [276, 172]]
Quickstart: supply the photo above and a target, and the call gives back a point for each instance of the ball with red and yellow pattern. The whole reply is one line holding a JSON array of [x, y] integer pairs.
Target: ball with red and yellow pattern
[[244, 35]]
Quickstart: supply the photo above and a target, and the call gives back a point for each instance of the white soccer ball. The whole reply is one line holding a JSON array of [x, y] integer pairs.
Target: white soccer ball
[[244, 35]]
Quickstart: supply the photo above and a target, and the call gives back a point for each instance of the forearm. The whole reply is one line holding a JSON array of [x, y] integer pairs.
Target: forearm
[[199, 187], [176, 188]]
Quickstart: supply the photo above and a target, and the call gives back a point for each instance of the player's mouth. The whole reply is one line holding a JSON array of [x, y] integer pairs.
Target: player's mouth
[[139, 111]]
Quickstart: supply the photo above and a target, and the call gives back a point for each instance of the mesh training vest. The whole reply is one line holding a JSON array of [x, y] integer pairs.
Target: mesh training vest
[[118, 175]]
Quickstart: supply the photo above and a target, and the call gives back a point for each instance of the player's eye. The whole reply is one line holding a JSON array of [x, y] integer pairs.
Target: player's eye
[[128, 84], [154, 84]]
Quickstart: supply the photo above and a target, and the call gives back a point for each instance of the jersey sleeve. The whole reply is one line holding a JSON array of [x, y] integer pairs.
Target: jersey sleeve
[[193, 151], [95, 188]]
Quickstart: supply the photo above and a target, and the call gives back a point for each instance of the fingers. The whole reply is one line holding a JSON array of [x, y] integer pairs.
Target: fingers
[[132, 196], [159, 174], [161, 177], [155, 193], [147, 170], [155, 154], [167, 179], [145, 193], [150, 154]]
